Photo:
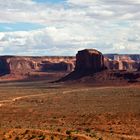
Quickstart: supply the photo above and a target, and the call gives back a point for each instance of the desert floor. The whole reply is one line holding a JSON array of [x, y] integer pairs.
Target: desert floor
[[57, 111]]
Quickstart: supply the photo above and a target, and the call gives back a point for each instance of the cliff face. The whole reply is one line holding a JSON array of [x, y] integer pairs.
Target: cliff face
[[122, 62], [24, 65], [4, 67], [138, 67], [134, 57], [89, 61], [121, 65]]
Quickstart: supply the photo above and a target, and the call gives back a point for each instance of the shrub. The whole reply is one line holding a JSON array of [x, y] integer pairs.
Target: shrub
[[52, 137], [100, 138], [68, 132], [58, 130], [88, 130], [41, 137]]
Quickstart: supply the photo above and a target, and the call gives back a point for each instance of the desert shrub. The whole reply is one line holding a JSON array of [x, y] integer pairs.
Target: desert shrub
[[93, 135], [26, 132], [54, 117], [69, 138], [76, 131], [33, 136], [75, 138], [100, 138], [17, 138], [41, 137], [52, 137], [68, 132], [88, 130], [58, 130]]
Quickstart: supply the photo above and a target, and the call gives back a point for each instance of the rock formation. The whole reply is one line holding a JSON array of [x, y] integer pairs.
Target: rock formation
[[121, 64], [126, 57], [89, 61], [4, 67], [92, 67], [138, 68], [24, 65]]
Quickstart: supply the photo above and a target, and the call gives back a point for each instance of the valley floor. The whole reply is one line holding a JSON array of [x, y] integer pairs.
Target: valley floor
[[56, 111]]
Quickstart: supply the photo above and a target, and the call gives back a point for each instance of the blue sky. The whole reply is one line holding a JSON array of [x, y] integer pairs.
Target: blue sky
[[19, 26], [62, 27]]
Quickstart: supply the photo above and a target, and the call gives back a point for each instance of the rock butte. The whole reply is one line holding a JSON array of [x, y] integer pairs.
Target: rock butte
[[89, 61]]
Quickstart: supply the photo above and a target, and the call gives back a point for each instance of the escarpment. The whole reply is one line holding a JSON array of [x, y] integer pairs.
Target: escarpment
[[88, 61], [23, 65]]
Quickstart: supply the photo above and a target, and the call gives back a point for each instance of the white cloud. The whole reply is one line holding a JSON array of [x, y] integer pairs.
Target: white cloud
[[108, 25]]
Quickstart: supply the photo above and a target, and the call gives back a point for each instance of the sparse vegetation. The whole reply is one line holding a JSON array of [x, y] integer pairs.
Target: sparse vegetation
[[58, 130], [41, 137], [68, 132], [88, 130], [52, 137], [78, 111]]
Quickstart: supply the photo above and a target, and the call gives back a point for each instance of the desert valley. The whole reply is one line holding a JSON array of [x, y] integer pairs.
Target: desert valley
[[88, 97]]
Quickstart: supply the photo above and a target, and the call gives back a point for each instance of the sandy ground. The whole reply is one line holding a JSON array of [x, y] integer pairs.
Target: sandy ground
[[86, 112]]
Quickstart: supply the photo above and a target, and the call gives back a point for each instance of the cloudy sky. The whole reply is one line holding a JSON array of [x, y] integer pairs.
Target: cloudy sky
[[61, 27]]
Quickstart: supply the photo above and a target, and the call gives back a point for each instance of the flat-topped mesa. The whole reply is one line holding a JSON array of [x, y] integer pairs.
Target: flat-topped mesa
[[22, 65], [89, 61]]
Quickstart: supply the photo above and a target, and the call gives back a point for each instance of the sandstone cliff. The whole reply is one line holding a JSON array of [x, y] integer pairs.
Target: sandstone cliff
[[121, 65], [122, 62], [89, 60], [26, 65], [138, 67]]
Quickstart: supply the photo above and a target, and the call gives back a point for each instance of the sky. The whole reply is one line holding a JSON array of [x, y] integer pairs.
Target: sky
[[62, 27]]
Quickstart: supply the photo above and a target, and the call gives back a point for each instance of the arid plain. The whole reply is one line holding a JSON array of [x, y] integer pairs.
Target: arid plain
[[41, 110]]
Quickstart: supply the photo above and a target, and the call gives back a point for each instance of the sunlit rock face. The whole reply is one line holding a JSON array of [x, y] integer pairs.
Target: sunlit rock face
[[121, 65], [23, 65]]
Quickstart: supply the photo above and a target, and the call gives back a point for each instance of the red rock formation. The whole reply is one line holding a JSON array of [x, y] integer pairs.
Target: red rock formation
[[138, 67], [122, 62], [89, 61], [129, 65], [4, 67], [25, 65]]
